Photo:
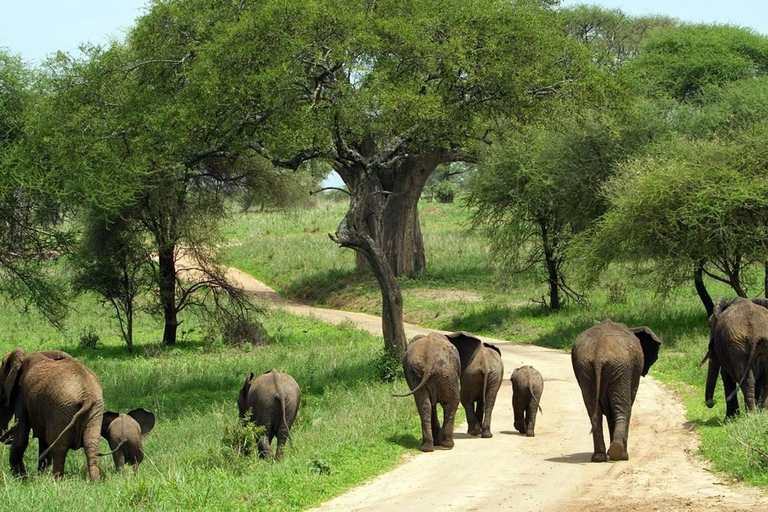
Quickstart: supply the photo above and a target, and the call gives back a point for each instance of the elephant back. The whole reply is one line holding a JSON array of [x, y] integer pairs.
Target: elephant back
[[607, 344]]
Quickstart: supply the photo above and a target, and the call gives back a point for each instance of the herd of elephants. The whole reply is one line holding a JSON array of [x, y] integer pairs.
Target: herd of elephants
[[60, 400]]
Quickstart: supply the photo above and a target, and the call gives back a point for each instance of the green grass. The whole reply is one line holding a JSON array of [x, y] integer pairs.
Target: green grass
[[463, 291], [348, 425]]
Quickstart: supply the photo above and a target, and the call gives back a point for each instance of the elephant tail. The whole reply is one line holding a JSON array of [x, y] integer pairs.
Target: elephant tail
[[423, 383], [113, 451], [748, 368], [535, 400], [87, 406], [596, 417]]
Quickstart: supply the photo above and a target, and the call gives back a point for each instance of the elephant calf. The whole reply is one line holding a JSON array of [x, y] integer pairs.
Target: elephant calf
[[527, 388], [272, 401], [125, 433]]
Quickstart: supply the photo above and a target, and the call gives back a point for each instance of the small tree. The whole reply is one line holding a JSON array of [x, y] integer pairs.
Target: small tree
[[112, 261]]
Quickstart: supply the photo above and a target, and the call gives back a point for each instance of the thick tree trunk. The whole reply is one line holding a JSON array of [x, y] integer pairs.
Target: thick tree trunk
[[701, 290], [393, 215], [354, 232], [167, 283], [552, 274]]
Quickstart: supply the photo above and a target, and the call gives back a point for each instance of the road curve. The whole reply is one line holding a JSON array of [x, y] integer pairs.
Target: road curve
[[552, 471]]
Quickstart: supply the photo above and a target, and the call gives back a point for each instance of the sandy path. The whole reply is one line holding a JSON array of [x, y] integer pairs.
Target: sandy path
[[552, 471]]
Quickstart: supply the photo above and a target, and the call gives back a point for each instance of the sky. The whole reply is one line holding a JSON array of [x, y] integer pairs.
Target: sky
[[38, 28]]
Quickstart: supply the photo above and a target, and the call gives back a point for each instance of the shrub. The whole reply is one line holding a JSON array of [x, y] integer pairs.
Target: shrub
[[445, 192], [89, 338], [388, 366]]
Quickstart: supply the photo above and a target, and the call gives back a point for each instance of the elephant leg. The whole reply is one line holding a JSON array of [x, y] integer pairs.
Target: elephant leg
[[265, 446], [282, 438], [449, 418], [59, 460], [597, 433], [119, 458], [488, 404], [732, 405], [42, 464], [519, 408], [424, 405], [18, 447], [748, 390], [437, 433], [530, 420], [618, 425], [91, 436], [473, 426]]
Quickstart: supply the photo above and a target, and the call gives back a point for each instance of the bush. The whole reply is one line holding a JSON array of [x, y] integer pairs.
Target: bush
[[240, 331], [388, 366], [89, 338], [242, 438], [445, 192]]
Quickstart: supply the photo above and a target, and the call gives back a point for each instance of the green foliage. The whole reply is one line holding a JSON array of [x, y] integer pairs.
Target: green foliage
[[682, 61], [242, 437], [445, 192], [89, 339], [388, 366]]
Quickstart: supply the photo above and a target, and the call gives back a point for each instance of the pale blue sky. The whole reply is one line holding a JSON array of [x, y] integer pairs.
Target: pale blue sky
[[38, 28]]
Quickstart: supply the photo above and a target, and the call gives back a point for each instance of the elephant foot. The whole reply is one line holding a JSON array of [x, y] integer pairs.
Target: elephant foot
[[617, 451], [599, 457], [474, 431], [486, 434], [530, 434], [427, 447], [447, 443], [520, 427]]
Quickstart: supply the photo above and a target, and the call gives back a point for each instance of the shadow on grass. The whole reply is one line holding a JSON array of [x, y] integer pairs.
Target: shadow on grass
[[483, 320], [320, 287], [713, 421], [405, 440]]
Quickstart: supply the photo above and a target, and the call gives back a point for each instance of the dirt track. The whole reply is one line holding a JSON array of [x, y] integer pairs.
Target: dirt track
[[551, 472]]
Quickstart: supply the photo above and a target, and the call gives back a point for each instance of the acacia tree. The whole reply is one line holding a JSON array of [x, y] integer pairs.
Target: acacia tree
[[29, 217], [385, 92]]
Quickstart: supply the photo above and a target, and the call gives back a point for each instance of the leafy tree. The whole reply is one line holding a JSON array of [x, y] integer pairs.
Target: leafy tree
[[112, 261], [28, 217], [385, 92]]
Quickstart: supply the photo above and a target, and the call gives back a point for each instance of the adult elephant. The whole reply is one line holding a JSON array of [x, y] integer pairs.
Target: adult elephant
[[272, 400], [59, 399], [432, 369], [738, 351], [608, 361], [481, 374]]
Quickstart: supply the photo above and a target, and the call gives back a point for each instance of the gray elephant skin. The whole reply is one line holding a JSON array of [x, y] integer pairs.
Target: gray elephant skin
[[608, 360], [432, 370], [738, 351], [481, 374], [527, 388], [272, 400], [56, 397], [125, 434]]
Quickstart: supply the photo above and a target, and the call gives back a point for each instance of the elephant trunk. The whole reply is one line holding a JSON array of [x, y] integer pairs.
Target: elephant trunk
[[712, 373]]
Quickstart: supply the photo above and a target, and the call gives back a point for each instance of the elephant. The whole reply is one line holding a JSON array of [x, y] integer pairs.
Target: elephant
[[608, 360], [432, 370], [527, 388], [481, 374], [738, 350], [272, 400], [59, 399], [125, 433]]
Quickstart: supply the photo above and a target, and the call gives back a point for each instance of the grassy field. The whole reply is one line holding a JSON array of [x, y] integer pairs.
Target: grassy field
[[348, 427], [291, 252]]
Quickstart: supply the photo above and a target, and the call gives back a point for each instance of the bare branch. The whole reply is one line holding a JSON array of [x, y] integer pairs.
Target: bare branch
[[329, 188]]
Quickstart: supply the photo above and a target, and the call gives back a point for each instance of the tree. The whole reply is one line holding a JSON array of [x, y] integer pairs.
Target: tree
[[112, 261], [385, 92], [28, 216]]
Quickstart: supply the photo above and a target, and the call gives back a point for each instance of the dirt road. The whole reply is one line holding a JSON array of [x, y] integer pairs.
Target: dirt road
[[551, 472]]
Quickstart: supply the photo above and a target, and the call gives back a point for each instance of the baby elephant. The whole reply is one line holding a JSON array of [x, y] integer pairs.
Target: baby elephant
[[125, 433], [527, 387], [273, 400]]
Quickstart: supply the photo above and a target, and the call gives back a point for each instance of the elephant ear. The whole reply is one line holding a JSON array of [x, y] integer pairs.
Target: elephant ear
[[760, 302], [467, 346], [650, 344], [243, 395], [144, 418], [492, 347], [12, 372], [106, 419]]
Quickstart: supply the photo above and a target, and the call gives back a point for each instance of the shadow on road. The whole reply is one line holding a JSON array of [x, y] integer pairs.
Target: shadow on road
[[574, 458]]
